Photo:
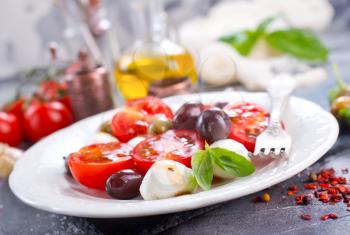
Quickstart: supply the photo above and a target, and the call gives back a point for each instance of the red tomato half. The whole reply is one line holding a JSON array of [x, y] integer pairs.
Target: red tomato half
[[10, 129], [92, 165], [248, 121], [42, 119], [177, 145], [128, 124], [151, 105]]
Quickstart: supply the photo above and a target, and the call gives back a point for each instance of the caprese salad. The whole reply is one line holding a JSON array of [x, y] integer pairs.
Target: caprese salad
[[149, 151]]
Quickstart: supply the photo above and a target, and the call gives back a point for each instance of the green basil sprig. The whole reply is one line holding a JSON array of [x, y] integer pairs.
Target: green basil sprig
[[232, 163], [294, 42]]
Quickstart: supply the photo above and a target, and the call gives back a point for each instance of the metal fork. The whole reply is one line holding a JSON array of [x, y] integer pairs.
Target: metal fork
[[275, 141]]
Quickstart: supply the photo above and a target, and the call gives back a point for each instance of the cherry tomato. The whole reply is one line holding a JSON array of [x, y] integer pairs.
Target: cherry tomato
[[44, 118], [94, 164], [129, 123], [51, 90], [10, 129], [177, 145], [151, 105], [248, 121], [15, 107]]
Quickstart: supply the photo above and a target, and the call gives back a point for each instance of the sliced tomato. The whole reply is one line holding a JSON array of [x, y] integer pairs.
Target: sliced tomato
[[129, 123], [92, 165], [177, 145], [151, 105], [248, 121]]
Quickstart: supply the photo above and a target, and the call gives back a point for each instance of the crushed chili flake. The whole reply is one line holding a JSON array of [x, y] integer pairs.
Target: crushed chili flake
[[306, 217], [327, 187], [332, 216], [310, 186], [293, 188]]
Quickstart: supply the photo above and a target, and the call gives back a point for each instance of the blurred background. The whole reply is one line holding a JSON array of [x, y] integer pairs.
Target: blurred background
[[168, 47]]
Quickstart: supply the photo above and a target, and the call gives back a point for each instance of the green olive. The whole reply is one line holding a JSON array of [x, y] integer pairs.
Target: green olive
[[159, 126], [106, 127]]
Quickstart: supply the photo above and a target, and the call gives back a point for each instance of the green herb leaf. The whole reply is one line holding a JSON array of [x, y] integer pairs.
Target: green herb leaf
[[264, 24], [298, 43], [202, 167], [231, 162], [244, 41]]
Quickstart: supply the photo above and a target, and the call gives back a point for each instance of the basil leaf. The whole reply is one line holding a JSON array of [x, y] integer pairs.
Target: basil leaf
[[231, 162], [264, 24], [244, 41], [202, 167], [298, 43]]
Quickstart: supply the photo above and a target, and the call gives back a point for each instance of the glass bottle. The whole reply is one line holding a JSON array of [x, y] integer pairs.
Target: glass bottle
[[155, 59]]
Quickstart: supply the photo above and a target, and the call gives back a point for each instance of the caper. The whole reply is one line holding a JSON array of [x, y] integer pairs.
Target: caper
[[339, 103], [159, 126]]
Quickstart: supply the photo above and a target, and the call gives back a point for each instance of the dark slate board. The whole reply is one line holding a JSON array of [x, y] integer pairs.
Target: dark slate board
[[240, 216]]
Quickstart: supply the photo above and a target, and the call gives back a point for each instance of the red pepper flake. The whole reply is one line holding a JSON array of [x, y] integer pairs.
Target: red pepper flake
[[333, 216], [332, 190], [310, 186], [290, 193], [324, 186], [323, 196], [342, 180], [306, 217], [324, 217], [299, 199], [342, 189], [293, 188]]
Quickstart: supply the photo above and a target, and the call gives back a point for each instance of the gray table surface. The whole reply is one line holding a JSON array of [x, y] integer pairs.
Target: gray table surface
[[241, 216]]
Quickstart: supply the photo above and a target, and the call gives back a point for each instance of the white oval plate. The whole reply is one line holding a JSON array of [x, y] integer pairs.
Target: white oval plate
[[39, 176]]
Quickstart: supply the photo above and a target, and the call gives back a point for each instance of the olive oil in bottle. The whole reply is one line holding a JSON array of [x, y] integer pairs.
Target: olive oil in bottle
[[154, 57]]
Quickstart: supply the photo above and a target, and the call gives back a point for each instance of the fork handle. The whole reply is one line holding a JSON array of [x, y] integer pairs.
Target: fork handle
[[277, 104]]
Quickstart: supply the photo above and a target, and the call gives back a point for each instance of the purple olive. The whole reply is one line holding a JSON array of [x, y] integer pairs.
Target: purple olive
[[186, 117], [214, 124], [124, 184]]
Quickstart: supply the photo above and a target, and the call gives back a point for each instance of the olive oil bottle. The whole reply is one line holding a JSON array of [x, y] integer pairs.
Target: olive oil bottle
[[155, 58]]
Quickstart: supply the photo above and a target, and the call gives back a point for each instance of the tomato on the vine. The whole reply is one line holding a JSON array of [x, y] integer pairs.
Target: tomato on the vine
[[44, 118], [151, 105], [248, 121], [177, 145], [15, 107], [129, 123], [52, 90], [10, 129], [92, 165]]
